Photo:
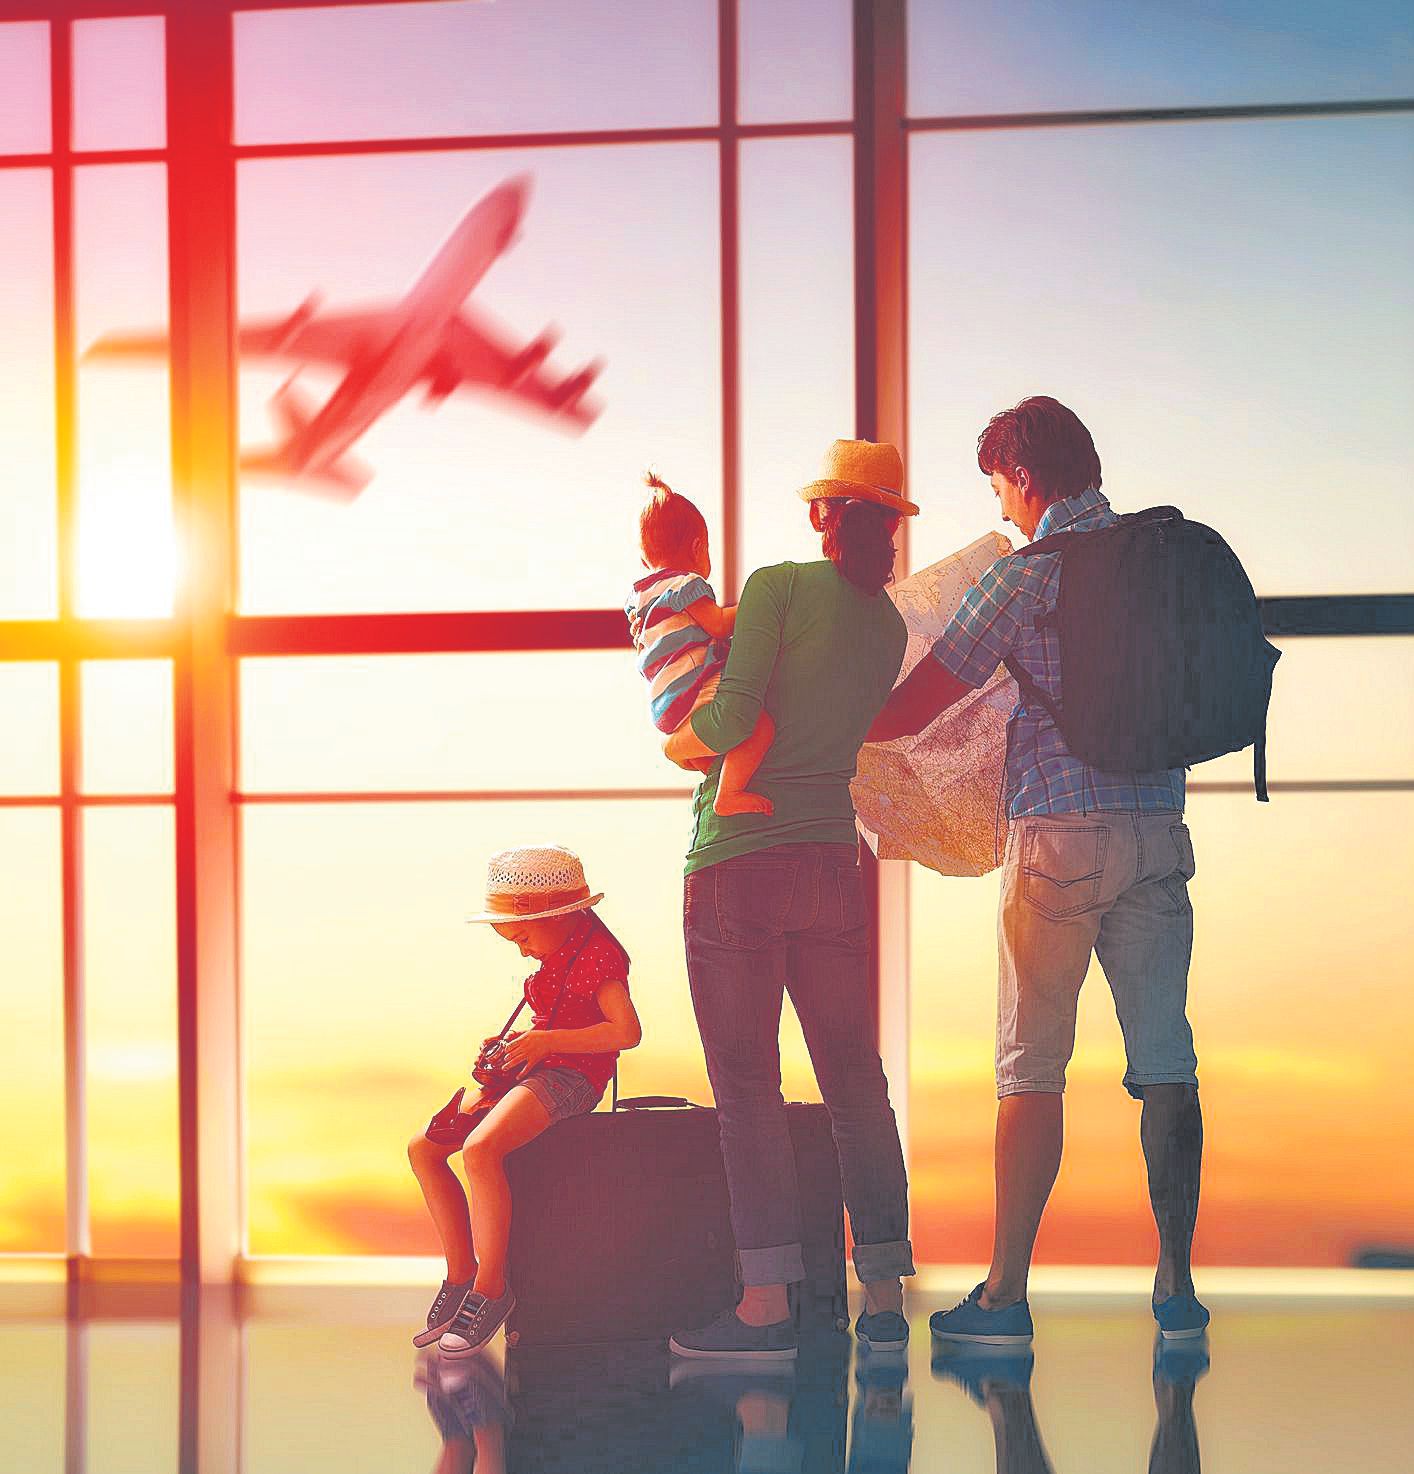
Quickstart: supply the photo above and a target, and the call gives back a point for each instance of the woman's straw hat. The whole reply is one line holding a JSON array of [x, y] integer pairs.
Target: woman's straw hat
[[531, 883], [865, 471]]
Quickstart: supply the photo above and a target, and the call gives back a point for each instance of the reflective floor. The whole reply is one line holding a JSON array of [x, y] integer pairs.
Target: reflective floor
[[328, 1380]]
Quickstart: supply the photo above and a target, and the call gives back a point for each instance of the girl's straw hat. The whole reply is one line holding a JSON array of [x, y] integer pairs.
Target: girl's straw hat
[[535, 882], [865, 471]]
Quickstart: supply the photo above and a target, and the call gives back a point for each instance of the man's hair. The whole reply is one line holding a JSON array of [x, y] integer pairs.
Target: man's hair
[[1048, 439], [668, 525]]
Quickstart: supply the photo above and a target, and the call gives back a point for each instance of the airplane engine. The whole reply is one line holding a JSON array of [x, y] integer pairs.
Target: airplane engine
[[571, 390], [530, 357], [442, 380]]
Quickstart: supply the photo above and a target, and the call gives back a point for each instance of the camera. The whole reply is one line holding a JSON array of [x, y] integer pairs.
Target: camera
[[491, 1070]]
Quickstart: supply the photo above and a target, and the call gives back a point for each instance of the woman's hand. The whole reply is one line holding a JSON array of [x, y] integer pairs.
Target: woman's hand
[[526, 1050]]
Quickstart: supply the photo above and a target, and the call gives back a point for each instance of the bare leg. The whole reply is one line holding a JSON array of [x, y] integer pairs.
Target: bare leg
[[1171, 1132], [739, 768], [1030, 1129], [763, 1305], [446, 1202], [518, 1117], [883, 1295]]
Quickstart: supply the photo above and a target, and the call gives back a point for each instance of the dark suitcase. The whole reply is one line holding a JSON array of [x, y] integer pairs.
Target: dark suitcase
[[621, 1229]]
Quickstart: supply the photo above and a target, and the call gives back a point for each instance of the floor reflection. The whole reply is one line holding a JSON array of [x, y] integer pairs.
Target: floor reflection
[[315, 1381]]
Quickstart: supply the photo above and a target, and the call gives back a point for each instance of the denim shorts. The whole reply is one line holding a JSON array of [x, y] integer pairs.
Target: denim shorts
[[562, 1091], [1113, 884]]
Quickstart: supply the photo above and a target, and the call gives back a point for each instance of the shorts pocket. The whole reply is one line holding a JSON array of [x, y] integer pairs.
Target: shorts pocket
[[753, 900], [1062, 867]]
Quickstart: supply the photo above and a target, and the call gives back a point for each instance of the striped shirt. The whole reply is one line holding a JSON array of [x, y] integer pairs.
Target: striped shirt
[[676, 656], [998, 618]]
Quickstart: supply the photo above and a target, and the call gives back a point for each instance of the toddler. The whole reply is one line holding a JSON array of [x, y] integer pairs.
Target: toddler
[[582, 1015], [680, 633]]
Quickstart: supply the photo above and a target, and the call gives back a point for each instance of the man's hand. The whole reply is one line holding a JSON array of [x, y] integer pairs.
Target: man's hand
[[525, 1050], [917, 702]]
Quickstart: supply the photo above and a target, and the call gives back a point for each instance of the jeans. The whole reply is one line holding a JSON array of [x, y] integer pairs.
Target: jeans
[[793, 917], [1115, 883]]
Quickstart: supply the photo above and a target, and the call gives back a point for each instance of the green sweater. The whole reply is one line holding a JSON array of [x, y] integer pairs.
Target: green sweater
[[822, 657]]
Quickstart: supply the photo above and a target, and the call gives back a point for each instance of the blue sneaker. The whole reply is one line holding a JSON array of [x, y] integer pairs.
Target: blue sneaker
[[968, 1321], [1181, 1316], [885, 1330], [729, 1335], [976, 1369]]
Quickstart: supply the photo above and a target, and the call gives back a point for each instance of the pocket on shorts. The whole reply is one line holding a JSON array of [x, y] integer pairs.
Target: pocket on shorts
[[1062, 867], [1175, 884], [753, 899]]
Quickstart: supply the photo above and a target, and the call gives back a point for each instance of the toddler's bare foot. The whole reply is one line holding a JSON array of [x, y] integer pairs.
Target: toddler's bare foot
[[742, 803]]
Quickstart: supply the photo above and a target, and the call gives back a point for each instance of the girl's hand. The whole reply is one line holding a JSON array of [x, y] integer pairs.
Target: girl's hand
[[527, 1049]]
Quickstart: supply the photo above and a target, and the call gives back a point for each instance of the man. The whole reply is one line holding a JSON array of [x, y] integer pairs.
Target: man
[[1094, 861]]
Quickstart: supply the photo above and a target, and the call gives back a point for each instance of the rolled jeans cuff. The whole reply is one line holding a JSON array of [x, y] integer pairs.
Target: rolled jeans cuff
[[779, 1265], [883, 1261]]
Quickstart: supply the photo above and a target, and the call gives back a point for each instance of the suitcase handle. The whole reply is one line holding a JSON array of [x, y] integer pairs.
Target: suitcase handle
[[654, 1102]]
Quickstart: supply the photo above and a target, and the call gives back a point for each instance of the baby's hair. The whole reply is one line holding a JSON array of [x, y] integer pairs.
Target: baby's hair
[[668, 525]]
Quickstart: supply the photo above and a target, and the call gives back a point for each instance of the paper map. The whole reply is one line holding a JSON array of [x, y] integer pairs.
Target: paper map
[[937, 798]]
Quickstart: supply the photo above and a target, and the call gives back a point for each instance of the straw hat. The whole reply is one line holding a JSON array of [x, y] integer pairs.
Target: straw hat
[[532, 883], [864, 471]]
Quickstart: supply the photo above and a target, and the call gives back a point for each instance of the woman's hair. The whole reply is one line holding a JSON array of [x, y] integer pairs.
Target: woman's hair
[[859, 540], [668, 525], [1048, 439]]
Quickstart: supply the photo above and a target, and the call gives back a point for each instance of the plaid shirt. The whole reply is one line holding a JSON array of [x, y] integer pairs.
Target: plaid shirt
[[998, 618]]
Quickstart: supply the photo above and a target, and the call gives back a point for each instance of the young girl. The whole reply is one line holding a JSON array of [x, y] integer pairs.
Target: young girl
[[680, 633], [538, 900]]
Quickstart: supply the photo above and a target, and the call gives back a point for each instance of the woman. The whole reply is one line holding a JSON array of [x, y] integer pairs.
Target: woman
[[777, 902]]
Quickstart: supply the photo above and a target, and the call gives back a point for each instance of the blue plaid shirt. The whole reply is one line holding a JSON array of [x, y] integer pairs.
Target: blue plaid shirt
[[998, 618]]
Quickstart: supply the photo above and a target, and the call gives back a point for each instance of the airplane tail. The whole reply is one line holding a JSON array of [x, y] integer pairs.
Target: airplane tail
[[340, 478]]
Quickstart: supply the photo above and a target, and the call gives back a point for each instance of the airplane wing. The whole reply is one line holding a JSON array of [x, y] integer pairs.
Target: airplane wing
[[477, 354], [306, 335]]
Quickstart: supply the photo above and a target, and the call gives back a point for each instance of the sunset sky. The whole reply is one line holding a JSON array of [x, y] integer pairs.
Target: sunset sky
[[1229, 308]]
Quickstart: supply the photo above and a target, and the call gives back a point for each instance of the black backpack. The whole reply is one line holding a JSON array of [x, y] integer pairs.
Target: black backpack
[[1163, 660]]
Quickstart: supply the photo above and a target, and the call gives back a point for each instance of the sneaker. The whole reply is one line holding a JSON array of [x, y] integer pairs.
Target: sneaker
[[1181, 1363], [477, 1320], [885, 1330], [968, 1321], [448, 1301], [729, 1335], [1181, 1316]]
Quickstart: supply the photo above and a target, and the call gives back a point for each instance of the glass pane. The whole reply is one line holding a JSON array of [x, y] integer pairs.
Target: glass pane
[[127, 556], [127, 726], [1300, 1031], [361, 982], [797, 333], [32, 1056], [29, 739], [1227, 306], [132, 1408], [24, 88], [28, 552], [450, 722], [536, 66], [474, 504], [973, 56], [1342, 708], [130, 961], [796, 61], [120, 83]]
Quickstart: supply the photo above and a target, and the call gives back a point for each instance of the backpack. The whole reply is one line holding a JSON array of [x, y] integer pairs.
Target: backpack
[[1163, 662]]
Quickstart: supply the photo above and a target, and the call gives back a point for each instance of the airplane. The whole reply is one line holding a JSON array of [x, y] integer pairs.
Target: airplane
[[429, 338]]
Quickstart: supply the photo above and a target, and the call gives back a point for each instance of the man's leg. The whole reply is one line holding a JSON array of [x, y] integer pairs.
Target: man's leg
[[1171, 1131], [1027, 1159], [1058, 876], [1145, 945]]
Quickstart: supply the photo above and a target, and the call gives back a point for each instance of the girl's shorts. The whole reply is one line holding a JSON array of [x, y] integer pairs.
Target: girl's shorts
[[562, 1091]]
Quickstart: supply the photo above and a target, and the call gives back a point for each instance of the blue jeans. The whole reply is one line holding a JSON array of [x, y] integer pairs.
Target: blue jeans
[[793, 917]]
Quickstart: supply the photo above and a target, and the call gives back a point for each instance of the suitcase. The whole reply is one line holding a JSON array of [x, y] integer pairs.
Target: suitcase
[[621, 1228]]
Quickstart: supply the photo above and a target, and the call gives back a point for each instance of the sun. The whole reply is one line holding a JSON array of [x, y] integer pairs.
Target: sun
[[128, 560]]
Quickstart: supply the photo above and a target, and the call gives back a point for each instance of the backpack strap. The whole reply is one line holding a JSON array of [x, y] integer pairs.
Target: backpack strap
[[1259, 765], [1030, 689]]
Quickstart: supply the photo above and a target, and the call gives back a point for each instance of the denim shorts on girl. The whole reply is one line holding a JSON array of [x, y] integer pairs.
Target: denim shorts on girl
[[562, 1091]]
